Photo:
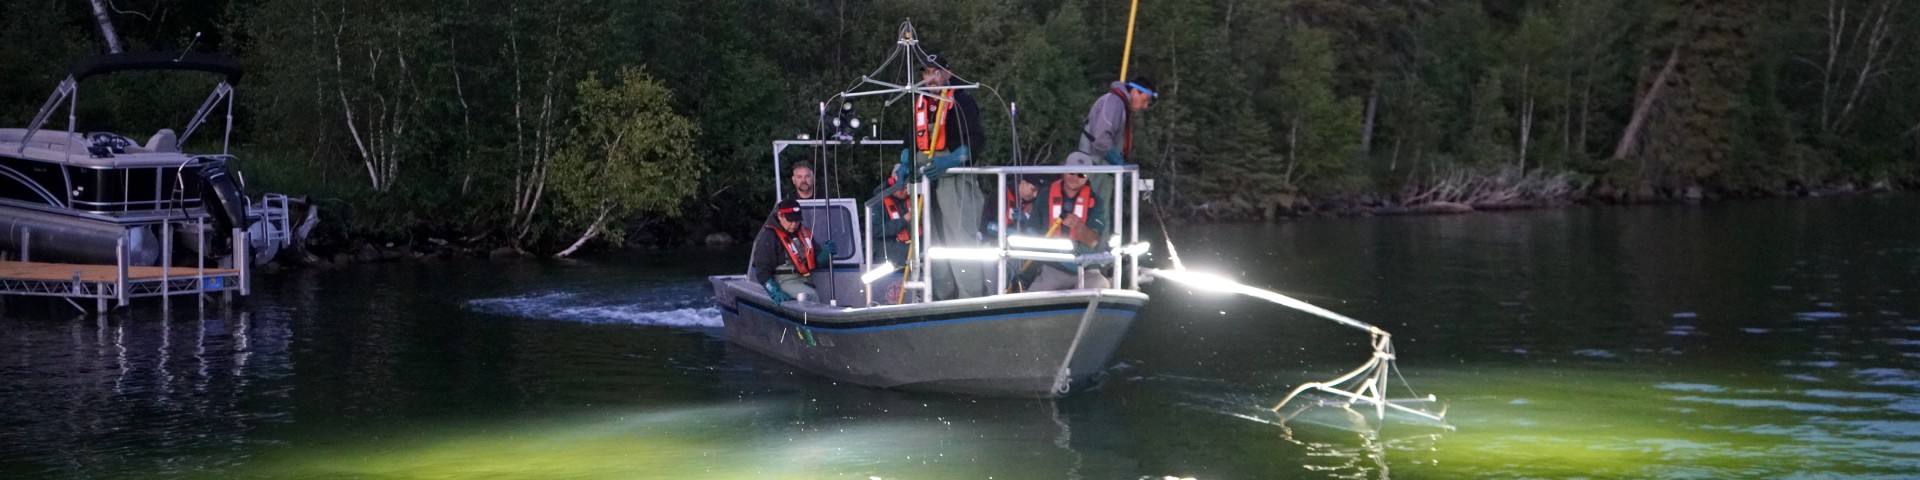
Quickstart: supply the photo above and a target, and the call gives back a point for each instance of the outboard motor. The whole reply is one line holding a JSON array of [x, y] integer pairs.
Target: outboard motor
[[220, 195]]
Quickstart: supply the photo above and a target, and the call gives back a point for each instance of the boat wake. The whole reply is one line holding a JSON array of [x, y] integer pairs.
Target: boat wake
[[687, 307]]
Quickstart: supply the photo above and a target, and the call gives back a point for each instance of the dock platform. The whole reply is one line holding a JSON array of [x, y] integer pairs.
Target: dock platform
[[114, 285], [105, 283]]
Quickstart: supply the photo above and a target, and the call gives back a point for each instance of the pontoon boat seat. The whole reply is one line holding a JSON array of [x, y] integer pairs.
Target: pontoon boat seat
[[164, 141]]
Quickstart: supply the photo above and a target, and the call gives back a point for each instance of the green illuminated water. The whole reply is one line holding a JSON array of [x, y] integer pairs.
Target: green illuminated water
[[1755, 340]]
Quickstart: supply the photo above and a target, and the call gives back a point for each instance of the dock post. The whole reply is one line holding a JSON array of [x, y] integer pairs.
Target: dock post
[[243, 260], [26, 244], [120, 271], [166, 266]]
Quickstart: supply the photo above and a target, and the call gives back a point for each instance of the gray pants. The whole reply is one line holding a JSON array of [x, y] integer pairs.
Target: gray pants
[[796, 285], [956, 224], [1054, 278]]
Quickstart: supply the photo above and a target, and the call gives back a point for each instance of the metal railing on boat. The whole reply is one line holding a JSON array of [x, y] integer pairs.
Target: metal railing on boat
[[1122, 250], [121, 282]]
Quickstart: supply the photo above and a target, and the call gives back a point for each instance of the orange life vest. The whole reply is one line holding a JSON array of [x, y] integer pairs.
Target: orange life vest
[[1082, 205], [799, 247], [894, 207], [929, 134]]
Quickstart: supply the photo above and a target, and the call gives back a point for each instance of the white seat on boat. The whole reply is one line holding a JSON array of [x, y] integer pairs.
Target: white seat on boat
[[164, 141]]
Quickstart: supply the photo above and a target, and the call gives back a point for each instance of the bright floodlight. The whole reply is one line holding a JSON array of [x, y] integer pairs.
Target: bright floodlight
[[1137, 249], [1037, 243], [878, 272]]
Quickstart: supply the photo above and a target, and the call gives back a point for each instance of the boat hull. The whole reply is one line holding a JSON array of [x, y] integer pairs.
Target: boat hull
[[1007, 345]]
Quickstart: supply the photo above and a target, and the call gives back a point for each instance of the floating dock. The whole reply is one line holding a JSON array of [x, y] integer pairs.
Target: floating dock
[[115, 285]]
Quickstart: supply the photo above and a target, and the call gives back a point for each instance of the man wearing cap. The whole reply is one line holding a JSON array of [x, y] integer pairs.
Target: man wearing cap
[[1073, 213], [894, 222], [1108, 135], [785, 255], [1026, 216], [895, 217], [947, 133]]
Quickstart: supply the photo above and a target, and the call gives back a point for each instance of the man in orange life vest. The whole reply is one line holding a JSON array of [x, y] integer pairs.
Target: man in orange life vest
[[785, 255], [895, 214], [894, 232], [947, 133], [1026, 216], [1074, 214]]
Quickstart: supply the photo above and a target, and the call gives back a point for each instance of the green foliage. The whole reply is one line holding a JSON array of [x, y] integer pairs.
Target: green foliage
[[627, 153], [473, 117]]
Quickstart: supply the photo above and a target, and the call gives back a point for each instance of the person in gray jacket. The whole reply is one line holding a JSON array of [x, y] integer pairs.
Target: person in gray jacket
[[1108, 135]]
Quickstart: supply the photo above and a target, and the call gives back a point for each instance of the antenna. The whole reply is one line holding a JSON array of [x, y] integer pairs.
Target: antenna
[[183, 51]]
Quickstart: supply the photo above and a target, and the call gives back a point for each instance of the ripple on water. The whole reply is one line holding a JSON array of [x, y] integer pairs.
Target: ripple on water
[[1775, 404], [1887, 377], [1691, 387], [1816, 316], [658, 310]]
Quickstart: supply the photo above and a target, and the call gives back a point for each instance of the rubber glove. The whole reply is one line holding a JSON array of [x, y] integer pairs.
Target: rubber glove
[[825, 255], [940, 164], [1114, 158], [775, 293], [906, 164]]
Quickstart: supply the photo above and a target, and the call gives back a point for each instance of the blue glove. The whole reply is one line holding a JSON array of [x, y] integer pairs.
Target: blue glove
[[940, 164], [825, 255], [906, 163], [775, 293], [1114, 158]]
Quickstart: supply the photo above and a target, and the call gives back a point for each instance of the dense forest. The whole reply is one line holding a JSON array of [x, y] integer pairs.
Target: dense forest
[[534, 123]]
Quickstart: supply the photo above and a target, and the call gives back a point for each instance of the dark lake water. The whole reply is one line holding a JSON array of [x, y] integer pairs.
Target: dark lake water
[[1762, 339]]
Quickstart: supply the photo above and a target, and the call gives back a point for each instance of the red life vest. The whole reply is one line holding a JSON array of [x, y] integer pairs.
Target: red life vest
[[799, 247], [1082, 205], [929, 134], [1013, 205], [894, 207]]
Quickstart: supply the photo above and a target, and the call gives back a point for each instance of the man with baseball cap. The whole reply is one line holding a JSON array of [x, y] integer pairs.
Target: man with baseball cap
[[785, 255]]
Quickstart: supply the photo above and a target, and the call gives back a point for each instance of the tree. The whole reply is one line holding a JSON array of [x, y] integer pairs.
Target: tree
[[627, 152]]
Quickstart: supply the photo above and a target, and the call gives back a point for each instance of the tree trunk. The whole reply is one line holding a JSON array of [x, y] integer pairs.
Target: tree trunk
[[1366, 128], [1526, 113], [106, 26], [1632, 134], [592, 231]]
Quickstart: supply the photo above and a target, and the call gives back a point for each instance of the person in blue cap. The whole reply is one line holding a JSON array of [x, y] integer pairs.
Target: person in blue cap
[[1108, 134]]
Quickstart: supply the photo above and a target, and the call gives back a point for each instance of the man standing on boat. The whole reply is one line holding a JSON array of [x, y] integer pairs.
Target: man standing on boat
[[1108, 132], [1074, 214], [1107, 136], [947, 133], [785, 255]]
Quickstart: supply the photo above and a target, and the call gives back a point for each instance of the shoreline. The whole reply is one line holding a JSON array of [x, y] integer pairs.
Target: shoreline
[[350, 249]]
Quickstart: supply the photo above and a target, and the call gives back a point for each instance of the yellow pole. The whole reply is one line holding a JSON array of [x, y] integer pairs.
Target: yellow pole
[[1127, 52]]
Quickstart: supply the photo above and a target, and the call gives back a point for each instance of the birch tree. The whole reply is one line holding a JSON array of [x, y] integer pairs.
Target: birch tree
[[628, 152]]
